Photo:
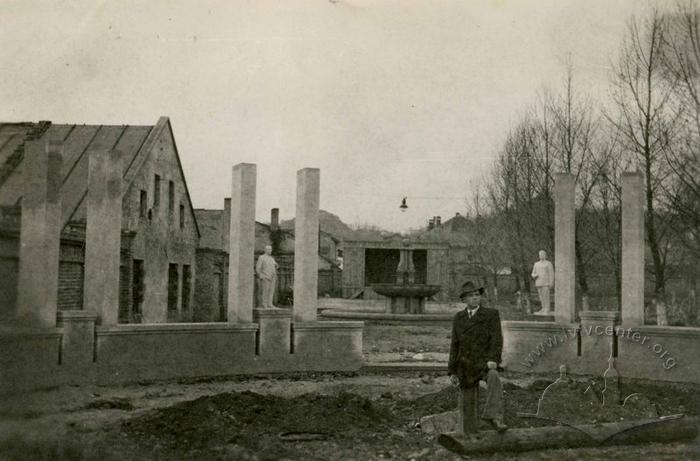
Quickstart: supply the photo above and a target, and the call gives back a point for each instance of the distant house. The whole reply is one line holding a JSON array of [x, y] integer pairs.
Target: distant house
[[443, 254], [463, 263], [373, 261], [211, 287], [159, 228]]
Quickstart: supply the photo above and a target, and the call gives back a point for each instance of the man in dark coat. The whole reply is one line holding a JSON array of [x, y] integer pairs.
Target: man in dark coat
[[475, 353]]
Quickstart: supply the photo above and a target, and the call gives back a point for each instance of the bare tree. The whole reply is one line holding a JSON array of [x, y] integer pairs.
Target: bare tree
[[543, 143], [681, 59], [654, 127], [574, 132], [645, 124], [489, 236], [604, 226]]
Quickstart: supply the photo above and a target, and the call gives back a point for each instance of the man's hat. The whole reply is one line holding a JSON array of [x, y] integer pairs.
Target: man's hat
[[470, 287]]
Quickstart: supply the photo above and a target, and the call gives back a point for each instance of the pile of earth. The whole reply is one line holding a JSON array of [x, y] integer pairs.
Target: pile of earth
[[248, 425], [261, 426]]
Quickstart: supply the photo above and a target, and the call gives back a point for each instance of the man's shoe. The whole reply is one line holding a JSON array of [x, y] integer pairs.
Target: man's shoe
[[498, 425]]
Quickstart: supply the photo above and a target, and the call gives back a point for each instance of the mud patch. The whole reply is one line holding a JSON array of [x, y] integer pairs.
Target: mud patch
[[260, 425], [110, 404], [344, 425]]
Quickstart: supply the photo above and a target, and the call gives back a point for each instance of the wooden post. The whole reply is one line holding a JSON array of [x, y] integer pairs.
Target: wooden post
[[469, 409]]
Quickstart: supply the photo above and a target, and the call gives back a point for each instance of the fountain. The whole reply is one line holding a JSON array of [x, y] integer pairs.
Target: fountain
[[405, 296]]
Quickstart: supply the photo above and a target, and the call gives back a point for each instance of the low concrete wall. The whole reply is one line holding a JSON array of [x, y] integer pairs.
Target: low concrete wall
[[29, 357], [644, 352], [80, 352], [539, 347], [166, 351], [663, 353], [379, 305], [322, 345]]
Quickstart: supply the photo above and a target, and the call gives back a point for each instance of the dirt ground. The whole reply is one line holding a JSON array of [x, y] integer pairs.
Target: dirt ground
[[359, 416]]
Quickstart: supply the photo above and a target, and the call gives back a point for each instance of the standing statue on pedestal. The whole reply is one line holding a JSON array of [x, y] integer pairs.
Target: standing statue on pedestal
[[266, 270], [543, 274], [475, 353]]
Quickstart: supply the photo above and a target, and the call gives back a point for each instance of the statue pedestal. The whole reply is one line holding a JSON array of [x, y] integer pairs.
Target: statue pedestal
[[274, 333]]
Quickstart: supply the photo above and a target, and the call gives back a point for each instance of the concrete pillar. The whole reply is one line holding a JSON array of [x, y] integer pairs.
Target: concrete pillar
[[632, 301], [103, 235], [564, 252], [306, 245], [40, 235], [242, 244]]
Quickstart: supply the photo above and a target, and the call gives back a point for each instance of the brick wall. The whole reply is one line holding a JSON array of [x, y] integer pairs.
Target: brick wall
[[70, 285], [330, 282], [8, 286], [124, 294], [9, 259], [210, 286], [70, 272], [126, 314]]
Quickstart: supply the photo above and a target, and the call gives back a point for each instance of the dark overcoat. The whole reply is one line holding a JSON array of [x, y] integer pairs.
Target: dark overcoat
[[475, 341]]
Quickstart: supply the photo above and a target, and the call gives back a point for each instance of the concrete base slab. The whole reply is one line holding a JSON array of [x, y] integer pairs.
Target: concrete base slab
[[328, 345]]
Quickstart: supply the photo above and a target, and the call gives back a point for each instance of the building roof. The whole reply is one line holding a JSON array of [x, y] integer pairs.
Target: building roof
[[134, 142], [210, 228], [210, 222], [211, 237], [454, 230], [210, 225]]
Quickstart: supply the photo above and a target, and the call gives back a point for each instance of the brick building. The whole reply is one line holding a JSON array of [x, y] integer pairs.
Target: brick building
[[159, 229]]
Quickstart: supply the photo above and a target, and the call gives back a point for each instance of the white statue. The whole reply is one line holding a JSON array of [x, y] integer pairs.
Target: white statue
[[266, 270], [543, 274]]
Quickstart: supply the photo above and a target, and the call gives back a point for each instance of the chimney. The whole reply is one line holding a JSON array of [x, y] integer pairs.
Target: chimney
[[438, 220], [431, 223], [274, 219], [226, 225]]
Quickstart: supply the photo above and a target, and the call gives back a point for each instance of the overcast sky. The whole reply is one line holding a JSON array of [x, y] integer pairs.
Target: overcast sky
[[388, 99]]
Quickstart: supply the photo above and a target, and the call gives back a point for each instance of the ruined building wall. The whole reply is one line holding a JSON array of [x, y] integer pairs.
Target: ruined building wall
[[158, 211], [211, 286]]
